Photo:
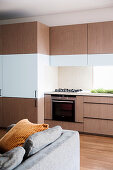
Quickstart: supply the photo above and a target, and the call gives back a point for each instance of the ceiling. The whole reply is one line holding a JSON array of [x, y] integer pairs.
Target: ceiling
[[11, 9]]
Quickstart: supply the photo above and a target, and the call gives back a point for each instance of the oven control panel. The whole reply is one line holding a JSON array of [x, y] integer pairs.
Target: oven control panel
[[63, 97]]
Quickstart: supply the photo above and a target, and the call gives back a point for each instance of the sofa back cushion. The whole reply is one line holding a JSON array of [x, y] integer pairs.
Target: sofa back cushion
[[12, 158], [19, 133], [39, 140]]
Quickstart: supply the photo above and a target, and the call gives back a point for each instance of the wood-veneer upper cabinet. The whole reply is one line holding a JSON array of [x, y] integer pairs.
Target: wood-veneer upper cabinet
[[0, 39], [68, 40], [9, 39], [43, 38], [27, 38], [19, 38], [100, 38]]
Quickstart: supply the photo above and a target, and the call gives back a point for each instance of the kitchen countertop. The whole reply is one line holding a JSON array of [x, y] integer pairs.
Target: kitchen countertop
[[83, 93]]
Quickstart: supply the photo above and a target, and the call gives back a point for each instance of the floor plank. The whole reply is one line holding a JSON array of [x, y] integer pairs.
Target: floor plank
[[96, 152]]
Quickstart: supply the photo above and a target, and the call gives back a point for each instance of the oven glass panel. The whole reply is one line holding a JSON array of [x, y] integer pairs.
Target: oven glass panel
[[63, 110]]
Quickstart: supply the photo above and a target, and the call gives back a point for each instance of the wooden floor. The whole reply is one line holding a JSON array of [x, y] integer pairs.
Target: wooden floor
[[96, 152]]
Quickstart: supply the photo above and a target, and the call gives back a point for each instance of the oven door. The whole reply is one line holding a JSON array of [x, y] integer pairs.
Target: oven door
[[63, 110]]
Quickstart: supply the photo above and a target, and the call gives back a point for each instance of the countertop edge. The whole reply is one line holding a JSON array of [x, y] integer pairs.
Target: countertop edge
[[79, 94]]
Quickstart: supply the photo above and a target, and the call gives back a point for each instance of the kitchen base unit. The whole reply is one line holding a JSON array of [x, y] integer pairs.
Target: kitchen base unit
[[15, 109], [98, 126], [98, 115]]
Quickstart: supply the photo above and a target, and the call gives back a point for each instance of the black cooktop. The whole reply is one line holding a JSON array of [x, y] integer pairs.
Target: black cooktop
[[68, 90]]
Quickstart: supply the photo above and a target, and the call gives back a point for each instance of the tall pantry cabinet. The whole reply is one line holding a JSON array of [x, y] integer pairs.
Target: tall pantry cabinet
[[22, 46]]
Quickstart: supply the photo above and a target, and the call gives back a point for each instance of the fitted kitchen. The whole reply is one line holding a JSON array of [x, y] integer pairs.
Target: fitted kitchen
[[81, 58], [61, 66]]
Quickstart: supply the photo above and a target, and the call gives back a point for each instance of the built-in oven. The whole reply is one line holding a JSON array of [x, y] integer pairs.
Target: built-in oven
[[63, 108]]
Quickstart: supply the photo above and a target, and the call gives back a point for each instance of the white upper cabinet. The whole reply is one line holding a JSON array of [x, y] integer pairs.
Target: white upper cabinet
[[68, 60], [100, 59], [0, 74], [20, 75]]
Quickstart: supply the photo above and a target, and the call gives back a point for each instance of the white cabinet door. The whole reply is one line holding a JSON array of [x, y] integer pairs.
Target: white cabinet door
[[100, 59], [0, 75], [68, 60], [20, 75]]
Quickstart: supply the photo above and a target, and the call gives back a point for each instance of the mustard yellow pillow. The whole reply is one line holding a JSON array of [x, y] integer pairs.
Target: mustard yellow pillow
[[19, 133]]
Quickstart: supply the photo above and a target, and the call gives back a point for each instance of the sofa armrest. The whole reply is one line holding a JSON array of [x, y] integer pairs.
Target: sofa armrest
[[63, 154]]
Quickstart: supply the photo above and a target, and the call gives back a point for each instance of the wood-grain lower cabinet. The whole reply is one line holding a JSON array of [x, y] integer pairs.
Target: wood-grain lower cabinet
[[100, 38], [102, 111], [98, 126], [1, 114], [15, 109], [98, 115], [47, 107], [79, 109], [68, 40], [1, 74]]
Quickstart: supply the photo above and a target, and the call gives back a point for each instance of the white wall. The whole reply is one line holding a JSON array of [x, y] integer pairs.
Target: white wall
[[51, 78], [47, 76], [75, 77], [79, 17], [43, 61]]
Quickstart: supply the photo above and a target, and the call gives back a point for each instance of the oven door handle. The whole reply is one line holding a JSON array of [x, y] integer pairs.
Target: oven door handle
[[62, 101]]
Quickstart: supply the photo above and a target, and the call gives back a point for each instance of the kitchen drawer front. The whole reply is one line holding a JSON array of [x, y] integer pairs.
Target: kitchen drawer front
[[102, 111], [110, 100], [98, 126], [92, 99]]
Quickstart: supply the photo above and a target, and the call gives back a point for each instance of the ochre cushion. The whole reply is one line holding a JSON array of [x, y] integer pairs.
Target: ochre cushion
[[19, 133]]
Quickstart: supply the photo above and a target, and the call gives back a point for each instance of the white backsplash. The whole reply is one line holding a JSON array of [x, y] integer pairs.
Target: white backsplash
[[75, 77]]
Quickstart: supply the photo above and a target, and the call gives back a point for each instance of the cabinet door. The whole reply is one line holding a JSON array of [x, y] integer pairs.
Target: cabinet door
[[27, 38], [79, 109], [10, 39], [20, 75], [1, 113], [1, 74], [19, 38], [100, 38], [100, 59], [68, 60], [98, 126], [67, 40], [47, 107], [15, 109], [0, 39], [102, 111]]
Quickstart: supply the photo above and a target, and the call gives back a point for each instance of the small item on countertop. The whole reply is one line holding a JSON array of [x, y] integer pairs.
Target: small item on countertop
[[101, 90]]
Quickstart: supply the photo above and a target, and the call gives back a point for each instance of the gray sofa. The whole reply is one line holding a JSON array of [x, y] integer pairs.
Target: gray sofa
[[62, 154]]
